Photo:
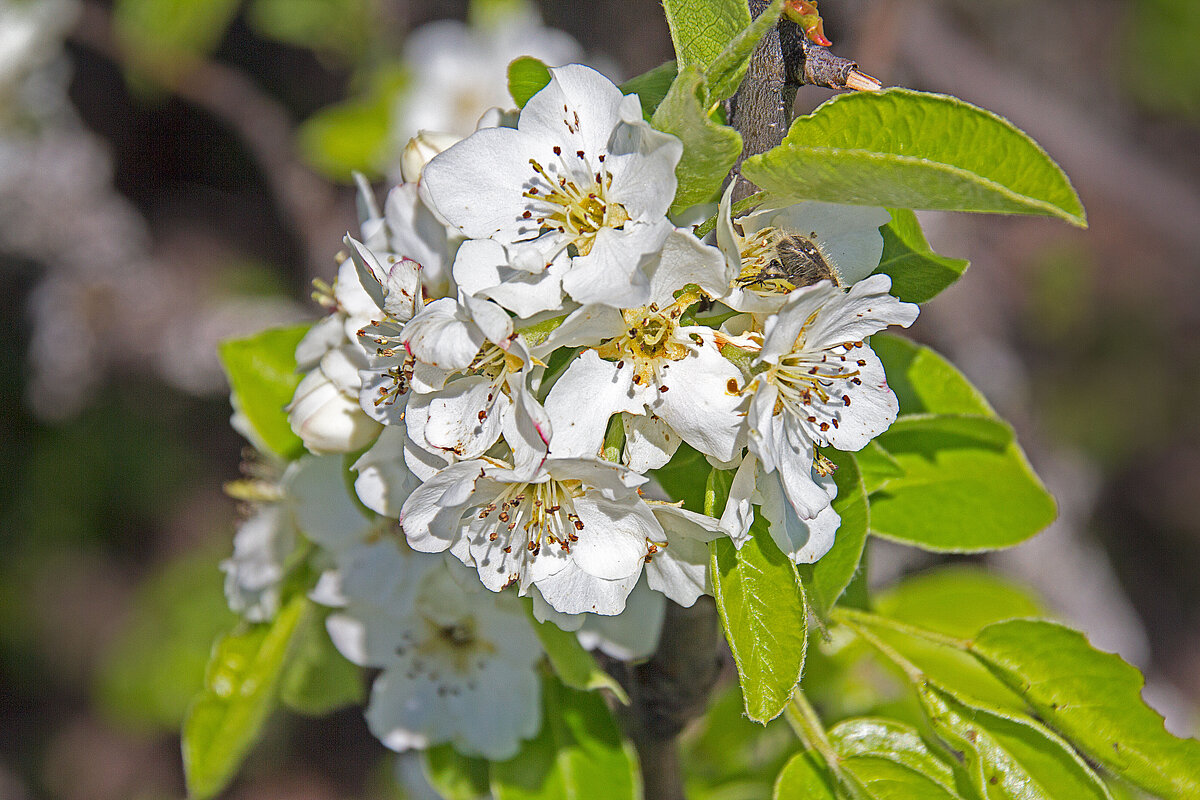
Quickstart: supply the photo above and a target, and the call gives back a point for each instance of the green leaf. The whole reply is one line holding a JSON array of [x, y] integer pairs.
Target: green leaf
[[918, 274], [684, 477], [832, 573], [331, 26], [154, 668], [877, 466], [885, 779], [709, 148], [165, 38], [573, 664], [262, 377], [804, 778], [725, 746], [240, 691], [765, 617], [526, 77], [1010, 758], [651, 86], [353, 136], [701, 29], [319, 679], [455, 776], [1095, 699], [906, 149], [956, 600], [887, 739], [578, 753], [946, 666], [726, 71], [966, 486], [972, 428]]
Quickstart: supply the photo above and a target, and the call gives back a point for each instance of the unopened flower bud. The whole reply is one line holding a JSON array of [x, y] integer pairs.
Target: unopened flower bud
[[419, 150]]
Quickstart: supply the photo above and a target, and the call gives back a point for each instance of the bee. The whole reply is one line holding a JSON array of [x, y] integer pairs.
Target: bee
[[788, 261]]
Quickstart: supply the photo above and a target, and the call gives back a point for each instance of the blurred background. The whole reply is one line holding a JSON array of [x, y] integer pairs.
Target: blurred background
[[174, 172]]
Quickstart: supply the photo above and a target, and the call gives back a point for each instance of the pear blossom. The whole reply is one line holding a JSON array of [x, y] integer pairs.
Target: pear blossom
[[669, 380], [576, 194], [458, 663], [780, 249], [801, 540], [817, 383], [459, 71]]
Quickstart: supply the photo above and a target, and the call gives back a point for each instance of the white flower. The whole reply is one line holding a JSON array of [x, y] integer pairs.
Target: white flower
[[817, 382], [631, 635], [801, 540], [420, 149], [577, 192], [459, 664], [324, 411], [252, 575], [781, 249], [669, 379], [576, 528], [406, 229], [458, 72], [310, 500]]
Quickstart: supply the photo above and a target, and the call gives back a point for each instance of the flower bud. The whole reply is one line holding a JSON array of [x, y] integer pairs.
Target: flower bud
[[327, 419], [419, 150]]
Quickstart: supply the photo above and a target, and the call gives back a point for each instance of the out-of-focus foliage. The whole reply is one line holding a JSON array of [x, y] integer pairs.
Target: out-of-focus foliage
[[1162, 56], [156, 666]]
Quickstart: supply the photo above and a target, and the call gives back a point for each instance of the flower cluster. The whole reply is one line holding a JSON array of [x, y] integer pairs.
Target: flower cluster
[[516, 341]]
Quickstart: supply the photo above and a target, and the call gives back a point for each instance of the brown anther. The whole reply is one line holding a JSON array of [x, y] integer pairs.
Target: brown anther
[[846, 399], [579, 153], [503, 516], [557, 150], [621, 364], [578, 527], [493, 536], [572, 537], [861, 362], [824, 426], [663, 388], [508, 549], [482, 416], [527, 214], [731, 386]]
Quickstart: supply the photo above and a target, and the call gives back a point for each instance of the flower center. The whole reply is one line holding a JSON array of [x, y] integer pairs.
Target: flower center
[[529, 515], [494, 363], [649, 338], [577, 210], [456, 644], [804, 377]]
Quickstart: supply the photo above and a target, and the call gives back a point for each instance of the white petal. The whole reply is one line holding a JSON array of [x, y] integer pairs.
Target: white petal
[[327, 420], [495, 323], [477, 184], [615, 271], [578, 109], [585, 326], [527, 429], [573, 591], [481, 268], [631, 635], [796, 315], [323, 509], [405, 714], [649, 442], [384, 480], [642, 163], [863, 410], [443, 335], [685, 259], [738, 515], [803, 541], [698, 403], [612, 542], [465, 417], [429, 526], [583, 399]]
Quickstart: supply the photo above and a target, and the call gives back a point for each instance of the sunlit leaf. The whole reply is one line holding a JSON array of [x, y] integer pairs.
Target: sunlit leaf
[[262, 376]]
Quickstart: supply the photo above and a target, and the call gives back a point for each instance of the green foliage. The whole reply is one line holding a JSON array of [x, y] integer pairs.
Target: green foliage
[[1010, 757], [651, 86], [262, 377], [906, 149], [353, 136], [578, 753], [455, 776], [966, 485], [701, 29], [241, 687], [829, 577], [156, 665], [319, 680], [764, 613], [709, 148], [918, 274], [574, 665], [331, 26], [725, 72], [526, 77], [1162, 59], [890, 759], [685, 478], [164, 38], [1094, 698], [956, 600], [804, 779]]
